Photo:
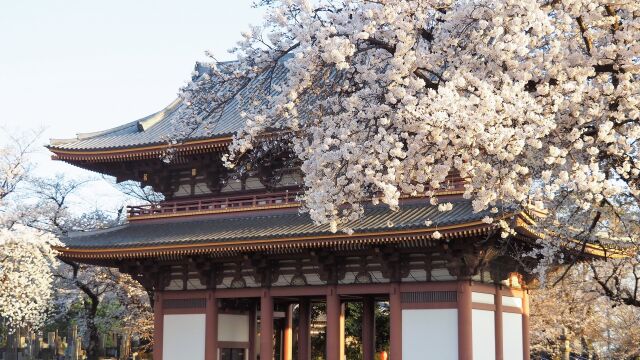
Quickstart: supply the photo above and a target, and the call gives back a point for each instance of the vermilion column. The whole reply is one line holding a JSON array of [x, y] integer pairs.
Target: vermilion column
[[395, 322], [333, 324], [266, 325], [252, 330], [158, 321], [368, 328], [343, 308], [211, 328], [287, 338], [465, 334], [525, 324], [498, 324], [304, 330]]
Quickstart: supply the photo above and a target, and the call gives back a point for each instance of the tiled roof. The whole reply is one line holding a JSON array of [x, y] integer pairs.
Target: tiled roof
[[156, 129], [260, 226]]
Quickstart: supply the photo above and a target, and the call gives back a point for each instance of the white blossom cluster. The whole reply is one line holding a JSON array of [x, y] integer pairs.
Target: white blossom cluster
[[26, 263], [532, 102]]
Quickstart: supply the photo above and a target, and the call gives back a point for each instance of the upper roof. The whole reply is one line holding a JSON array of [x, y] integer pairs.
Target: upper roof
[[159, 128]]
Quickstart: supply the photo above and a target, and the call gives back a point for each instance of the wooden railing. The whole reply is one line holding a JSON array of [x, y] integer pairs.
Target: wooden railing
[[195, 206]]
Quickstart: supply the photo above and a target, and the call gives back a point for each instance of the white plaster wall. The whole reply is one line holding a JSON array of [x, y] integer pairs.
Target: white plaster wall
[[482, 298], [512, 301], [512, 336], [484, 334], [430, 334], [233, 327], [183, 337]]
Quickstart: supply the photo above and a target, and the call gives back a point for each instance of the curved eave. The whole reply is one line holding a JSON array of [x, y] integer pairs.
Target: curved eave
[[142, 152], [283, 245], [524, 227]]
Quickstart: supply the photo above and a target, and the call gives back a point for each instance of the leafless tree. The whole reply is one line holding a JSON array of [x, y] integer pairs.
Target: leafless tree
[[15, 159]]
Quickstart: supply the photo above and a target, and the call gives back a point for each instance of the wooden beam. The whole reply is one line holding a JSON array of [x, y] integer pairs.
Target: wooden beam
[[211, 327], [525, 325], [395, 322], [498, 324], [465, 334], [287, 338], [158, 326], [368, 328], [266, 325], [333, 324], [304, 329]]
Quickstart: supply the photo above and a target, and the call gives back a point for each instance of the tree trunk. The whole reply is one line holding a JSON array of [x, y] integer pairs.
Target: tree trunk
[[91, 307], [94, 338]]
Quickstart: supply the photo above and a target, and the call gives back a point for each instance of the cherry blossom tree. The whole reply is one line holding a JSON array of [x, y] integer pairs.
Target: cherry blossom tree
[[27, 261], [536, 103], [27, 257]]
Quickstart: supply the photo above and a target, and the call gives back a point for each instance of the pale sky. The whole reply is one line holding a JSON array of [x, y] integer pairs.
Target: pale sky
[[70, 66]]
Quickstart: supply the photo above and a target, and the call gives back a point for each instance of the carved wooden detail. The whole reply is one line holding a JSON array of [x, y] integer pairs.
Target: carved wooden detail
[[265, 270], [209, 272], [330, 267], [394, 264]]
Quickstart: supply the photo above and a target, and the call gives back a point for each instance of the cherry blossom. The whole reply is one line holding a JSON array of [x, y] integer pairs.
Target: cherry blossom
[[26, 263], [535, 103]]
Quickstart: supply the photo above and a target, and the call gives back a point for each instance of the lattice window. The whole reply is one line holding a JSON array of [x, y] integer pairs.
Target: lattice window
[[428, 297], [197, 303]]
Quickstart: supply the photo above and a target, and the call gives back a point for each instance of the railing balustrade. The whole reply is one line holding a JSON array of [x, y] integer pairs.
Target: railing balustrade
[[211, 204]]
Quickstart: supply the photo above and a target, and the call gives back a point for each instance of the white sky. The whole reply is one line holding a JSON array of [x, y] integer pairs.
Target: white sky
[[69, 66]]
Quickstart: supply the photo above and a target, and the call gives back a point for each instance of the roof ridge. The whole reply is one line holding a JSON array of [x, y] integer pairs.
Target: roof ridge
[[150, 120], [140, 125]]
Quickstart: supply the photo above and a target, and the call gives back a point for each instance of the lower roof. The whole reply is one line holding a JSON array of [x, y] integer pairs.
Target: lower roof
[[268, 230]]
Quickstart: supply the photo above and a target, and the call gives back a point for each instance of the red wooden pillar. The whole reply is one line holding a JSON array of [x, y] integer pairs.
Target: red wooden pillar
[[158, 325], [287, 338], [253, 328], [465, 334], [525, 325], [304, 330], [343, 311], [395, 322], [498, 324], [211, 328], [368, 328], [266, 325], [333, 324]]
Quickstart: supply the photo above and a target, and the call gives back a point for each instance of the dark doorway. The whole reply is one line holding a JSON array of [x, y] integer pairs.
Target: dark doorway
[[232, 354]]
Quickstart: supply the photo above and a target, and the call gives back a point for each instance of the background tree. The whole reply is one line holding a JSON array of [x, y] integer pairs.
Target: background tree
[[108, 299], [15, 164], [33, 212], [575, 317]]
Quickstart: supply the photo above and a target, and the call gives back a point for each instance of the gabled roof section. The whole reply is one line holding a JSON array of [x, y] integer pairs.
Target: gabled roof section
[[152, 134], [155, 129]]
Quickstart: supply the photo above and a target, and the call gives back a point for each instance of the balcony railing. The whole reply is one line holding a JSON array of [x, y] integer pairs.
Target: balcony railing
[[208, 205]]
